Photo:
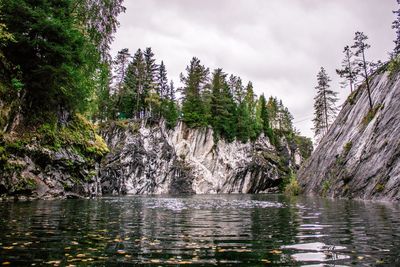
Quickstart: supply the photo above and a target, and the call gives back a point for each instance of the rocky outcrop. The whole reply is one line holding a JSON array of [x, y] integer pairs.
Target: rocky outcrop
[[360, 155], [54, 161], [35, 172], [155, 160]]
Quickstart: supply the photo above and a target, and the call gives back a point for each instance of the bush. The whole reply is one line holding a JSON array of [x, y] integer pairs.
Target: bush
[[293, 187]]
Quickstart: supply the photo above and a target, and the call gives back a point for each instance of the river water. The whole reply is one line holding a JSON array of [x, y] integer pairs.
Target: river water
[[226, 230]]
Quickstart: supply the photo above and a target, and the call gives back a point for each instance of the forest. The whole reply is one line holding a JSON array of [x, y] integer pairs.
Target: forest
[[55, 62]]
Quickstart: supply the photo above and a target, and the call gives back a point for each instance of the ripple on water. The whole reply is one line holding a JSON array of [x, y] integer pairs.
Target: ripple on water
[[179, 204], [316, 252]]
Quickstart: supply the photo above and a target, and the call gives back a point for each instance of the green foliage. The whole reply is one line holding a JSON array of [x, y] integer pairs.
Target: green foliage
[[326, 185], [394, 66], [305, 145], [193, 105], [171, 114], [292, 188], [370, 115], [379, 188], [347, 147], [79, 133]]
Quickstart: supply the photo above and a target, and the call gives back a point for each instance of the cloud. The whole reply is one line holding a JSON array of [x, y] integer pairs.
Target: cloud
[[277, 44]]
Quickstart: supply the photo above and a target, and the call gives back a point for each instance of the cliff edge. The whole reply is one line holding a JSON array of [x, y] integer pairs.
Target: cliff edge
[[360, 156]]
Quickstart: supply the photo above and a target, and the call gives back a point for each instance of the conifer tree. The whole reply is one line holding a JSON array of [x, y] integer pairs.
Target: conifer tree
[[120, 65], [223, 107], [162, 81], [348, 71], [324, 105], [251, 111], [361, 45], [266, 127], [150, 97], [194, 82]]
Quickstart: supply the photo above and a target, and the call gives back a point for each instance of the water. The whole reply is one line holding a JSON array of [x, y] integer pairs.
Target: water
[[228, 230]]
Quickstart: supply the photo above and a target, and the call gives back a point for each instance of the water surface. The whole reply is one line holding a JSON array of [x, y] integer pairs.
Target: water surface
[[227, 230]]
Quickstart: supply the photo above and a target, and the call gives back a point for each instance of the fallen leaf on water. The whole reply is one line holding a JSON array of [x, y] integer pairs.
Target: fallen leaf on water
[[6, 263], [53, 262], [276, 251]]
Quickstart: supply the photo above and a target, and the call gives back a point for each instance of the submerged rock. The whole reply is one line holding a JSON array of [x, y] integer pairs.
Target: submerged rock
[[360, 155], [155, 160]]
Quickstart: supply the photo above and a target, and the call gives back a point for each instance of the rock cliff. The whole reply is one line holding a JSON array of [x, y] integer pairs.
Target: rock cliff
[[360, 155], [52, 162], [155, 160]]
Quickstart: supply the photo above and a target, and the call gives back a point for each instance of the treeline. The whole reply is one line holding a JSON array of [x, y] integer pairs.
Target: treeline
[[356, 69], [142, 90]]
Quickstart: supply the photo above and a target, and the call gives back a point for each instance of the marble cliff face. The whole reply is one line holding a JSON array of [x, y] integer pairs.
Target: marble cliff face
[[360, 155], [155, 160]]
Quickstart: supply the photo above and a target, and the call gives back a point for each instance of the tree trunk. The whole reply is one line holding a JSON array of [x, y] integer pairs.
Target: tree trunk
[[367, 81]]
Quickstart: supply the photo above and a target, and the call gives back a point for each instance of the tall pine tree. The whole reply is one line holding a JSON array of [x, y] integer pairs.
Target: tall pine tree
[[223, 107], [194, 82], [349, 71], [324, 105], [361, 45]]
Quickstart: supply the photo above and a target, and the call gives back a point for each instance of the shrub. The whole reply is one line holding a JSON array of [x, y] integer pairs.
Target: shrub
[[292, 188]]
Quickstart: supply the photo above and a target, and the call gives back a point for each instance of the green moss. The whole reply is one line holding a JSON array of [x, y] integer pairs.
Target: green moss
[[78, 133], [351, 99], [370, 115], [25, 184], [347, 147], [379, 187]]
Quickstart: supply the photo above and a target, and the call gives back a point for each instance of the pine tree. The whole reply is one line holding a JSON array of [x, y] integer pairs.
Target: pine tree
[[348, 71], [193, 107], [264, 115], [150, 97], [170, 107], [361, 45], [120, 64], [324, 105], [273, 112], [251, 111], [222, 107], [162, 81]]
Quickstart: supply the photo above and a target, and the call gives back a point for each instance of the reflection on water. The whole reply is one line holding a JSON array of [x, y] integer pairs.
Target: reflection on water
[[230, 230]]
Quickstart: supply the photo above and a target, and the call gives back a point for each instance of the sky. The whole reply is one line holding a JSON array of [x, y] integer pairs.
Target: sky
[[279, 45]]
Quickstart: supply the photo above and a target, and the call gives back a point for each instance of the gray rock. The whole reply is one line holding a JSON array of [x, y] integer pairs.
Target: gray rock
[[360, 157], [155, 160]]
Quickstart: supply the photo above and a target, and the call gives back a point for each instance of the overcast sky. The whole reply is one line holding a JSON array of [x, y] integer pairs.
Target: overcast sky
[[279, 45]]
